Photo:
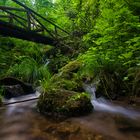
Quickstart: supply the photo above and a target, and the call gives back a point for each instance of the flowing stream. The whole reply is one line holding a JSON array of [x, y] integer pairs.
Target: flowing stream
[[103, 105], [22, 121]]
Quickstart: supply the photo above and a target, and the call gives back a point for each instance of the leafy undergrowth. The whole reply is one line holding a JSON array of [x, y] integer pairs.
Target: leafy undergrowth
[[23, 60], [29, 70]]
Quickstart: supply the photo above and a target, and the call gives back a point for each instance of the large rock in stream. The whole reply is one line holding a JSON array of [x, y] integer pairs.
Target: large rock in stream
[[57, 102], [64, 94], [13, 87]]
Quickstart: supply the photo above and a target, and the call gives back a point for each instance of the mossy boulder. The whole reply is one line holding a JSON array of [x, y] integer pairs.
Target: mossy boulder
[[67, 77], [72, 83], [64, 93], [72, 66], [64, 102]]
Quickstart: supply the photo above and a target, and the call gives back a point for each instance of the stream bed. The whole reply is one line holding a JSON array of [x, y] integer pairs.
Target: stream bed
[[21, 121]]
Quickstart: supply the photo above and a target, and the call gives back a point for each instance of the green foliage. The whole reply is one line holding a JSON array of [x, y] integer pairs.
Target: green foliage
[[57, 61], [72, 66], [105, 35], [28, 70], [1, 91], [78, 96], [133, 80], [113, 48], [67, 78], [24, 60]]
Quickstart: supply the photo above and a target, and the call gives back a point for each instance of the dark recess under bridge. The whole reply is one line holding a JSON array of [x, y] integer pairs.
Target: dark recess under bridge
[[24, 23]]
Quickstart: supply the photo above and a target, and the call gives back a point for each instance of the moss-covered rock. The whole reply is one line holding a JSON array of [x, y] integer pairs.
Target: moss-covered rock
[[67, 78], [64, 93], [64, 102], [72, 66], [72, 83]]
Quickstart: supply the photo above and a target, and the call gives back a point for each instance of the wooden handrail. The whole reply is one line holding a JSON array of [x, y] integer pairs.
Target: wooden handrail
[[16, 17], [12, 8], [41, 24], [19, 22], [9, 12], [16, 1], [21, 101], [31, 21], [4, 16]]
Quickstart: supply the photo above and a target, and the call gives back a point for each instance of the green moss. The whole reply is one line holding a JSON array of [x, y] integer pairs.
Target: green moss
[[67, 84], [64, 102], [78, 96], [79, 104], [67, 78], [72, 66]]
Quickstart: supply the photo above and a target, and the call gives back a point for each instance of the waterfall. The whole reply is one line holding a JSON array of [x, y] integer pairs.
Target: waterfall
[[101, 104]]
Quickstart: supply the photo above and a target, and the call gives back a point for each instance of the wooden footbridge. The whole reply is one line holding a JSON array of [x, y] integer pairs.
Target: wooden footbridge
[[24, 23]]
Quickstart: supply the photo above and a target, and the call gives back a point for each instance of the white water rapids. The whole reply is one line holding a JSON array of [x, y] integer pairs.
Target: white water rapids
[[22, 98], [101, 104]]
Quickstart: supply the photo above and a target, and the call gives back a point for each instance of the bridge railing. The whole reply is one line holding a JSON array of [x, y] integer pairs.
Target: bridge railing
[[28, 19]]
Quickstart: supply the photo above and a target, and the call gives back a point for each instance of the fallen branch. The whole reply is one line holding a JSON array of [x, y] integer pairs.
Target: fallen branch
[[4, 104]]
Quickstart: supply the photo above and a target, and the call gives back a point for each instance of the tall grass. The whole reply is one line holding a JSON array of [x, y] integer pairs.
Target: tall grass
[[28, 70]]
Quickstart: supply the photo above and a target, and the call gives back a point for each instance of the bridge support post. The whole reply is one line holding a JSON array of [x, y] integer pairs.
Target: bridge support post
[[28, 20], [11, 19]]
